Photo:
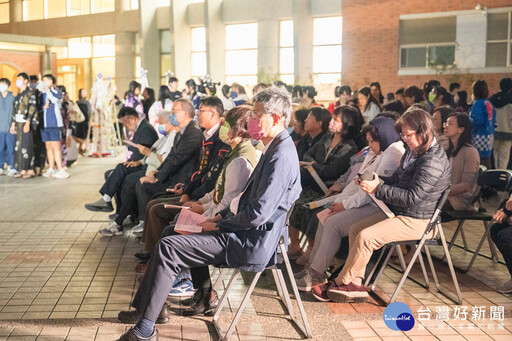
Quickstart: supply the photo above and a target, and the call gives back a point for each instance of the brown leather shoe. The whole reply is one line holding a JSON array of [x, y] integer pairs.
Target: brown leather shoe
[[131, 336]]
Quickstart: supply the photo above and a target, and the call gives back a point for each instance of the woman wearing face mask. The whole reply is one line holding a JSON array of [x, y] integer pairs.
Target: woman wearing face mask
[[153, 157], [330, 158], [352, 204], [164, 103]]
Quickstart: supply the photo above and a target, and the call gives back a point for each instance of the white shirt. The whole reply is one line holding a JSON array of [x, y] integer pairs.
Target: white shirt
[[209, 133]]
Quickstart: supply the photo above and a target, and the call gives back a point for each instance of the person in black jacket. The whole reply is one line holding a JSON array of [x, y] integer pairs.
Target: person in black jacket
[[411, 193], [181, 162], [145, 135]]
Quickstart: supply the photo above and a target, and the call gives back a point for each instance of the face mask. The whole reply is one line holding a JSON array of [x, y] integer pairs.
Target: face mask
[[162, 130], [19, 83], [233, 94], [174, 120], [334, 127], [223, 133], [3, 87], [33, 86], [432, 97]]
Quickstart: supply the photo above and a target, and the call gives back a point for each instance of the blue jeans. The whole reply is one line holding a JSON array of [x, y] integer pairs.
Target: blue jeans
[[7, 143], [501, 234]]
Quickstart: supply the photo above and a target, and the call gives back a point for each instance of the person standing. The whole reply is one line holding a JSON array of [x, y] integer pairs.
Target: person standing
[[52, 124], [23, 112], [6, 138], [483, 118], [81, 129], [502, 101]]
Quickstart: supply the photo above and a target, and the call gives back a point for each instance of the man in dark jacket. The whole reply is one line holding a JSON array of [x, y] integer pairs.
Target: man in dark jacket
[[246, 236], [145, 135], [181, 162], [502, 102]]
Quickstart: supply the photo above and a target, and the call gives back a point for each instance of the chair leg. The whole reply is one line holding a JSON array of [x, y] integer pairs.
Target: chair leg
[[464, 240], [477, 251], [431, 265], [285, 294], [406, 272], [381, 270], [306, 329], [492, 247], [224, 297], [400, 256], [454, 237], [220, 278], [450, 267], [369, 278], [424, 270]]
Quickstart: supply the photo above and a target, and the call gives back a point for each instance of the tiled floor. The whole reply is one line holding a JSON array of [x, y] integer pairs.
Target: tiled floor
[[60, 280]]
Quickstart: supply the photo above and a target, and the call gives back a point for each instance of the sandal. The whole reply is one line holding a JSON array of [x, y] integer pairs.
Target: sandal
[[19, 175], [29, 175]]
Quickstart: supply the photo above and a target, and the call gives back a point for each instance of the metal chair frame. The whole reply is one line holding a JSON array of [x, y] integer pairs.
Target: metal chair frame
[[422, 244], [282, 291]]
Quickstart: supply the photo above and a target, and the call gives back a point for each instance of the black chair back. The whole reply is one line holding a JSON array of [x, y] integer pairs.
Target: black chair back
[[498, 179]]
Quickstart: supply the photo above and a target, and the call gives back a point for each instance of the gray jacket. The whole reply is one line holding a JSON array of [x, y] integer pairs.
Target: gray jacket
[[6, 106]]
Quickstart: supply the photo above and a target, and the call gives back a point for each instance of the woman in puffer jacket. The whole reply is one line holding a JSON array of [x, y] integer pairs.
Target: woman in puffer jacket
[[411, 193]]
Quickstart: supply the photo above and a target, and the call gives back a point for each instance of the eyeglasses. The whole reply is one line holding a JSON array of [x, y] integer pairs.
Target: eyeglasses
[[407, 137]]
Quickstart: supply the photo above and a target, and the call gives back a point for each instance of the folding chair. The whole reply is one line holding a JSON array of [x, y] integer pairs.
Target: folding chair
[[498, 179], [422, 244], [282, 291]]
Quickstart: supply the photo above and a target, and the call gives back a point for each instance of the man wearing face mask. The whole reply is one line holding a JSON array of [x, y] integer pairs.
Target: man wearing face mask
[[144, 135], [203, 179], [23, 112], [153, 158], [6, 138], [244, 235]]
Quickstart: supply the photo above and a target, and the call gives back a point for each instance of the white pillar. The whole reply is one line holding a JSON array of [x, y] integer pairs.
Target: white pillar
[[215, 40], [125, 61], [180, 41], [302, 41], [149, 49], [268, 46]]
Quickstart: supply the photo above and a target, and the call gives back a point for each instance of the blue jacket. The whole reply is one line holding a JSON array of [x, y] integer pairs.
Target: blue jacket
[[273, 187], [6, 106], [52, 115], [483, 118]]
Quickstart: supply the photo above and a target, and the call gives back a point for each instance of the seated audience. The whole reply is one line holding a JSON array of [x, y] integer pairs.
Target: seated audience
[[298, 131], [244, 236], [144, 135], [238, 94], [411, 193], [413, 95], [353, 204], [439, 117], [501, 234], [441, 97], [483, 118], [377, 92], [343, 94], [368, 104], [316, 126], [309, 97], [461, 101], [394, 107], [164, 103], [330, 158], [464, 159]]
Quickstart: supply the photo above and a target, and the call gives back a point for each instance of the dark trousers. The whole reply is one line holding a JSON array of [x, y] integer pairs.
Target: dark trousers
[[24, 157], [170, 255], [39, 150], [7, 142], [128, 202], [501, 234], [115, 178], [144, 194], [157, 217]]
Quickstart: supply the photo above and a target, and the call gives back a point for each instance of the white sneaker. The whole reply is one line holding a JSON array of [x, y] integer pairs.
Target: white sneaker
[[112, 230], [11, 171], [139, 227], [506, 288], [1, 171], [49, 173], [62, 174]]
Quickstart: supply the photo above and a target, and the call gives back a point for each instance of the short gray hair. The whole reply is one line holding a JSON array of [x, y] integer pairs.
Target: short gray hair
[[187, 106], [275, 101], [165, 114]]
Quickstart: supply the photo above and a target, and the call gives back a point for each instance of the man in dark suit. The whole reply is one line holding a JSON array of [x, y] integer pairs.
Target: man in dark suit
[[144, 135], [182, 161], [246, 235]]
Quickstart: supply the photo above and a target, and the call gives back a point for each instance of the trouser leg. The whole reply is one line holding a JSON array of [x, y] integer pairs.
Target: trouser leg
[[114, 182], [157, 219], [128, 195], [501, 234], [170, 256], [144, 193]]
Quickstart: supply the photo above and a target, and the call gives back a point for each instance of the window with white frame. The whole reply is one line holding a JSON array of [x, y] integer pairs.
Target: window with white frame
[[427, 43], [242, 53], [499, 39], [198, 52], [165, 53], [47, 9], [4, 11], [164, 3], [134, 4], [138, 63], [286, 55], [327, 39]]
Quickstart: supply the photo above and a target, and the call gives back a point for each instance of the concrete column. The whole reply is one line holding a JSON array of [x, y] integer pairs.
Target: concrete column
[[46, 60], [150, 58], [268, 47], [15, 13], [124, 5], [180, 42], [302, 41], [125, 60], [215, 40]]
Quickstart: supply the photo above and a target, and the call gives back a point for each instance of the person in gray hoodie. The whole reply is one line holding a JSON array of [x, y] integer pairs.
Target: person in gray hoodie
[[502, 102], [7, 139]]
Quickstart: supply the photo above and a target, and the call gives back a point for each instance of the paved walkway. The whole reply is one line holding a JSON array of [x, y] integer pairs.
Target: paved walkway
[[61, 280]]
